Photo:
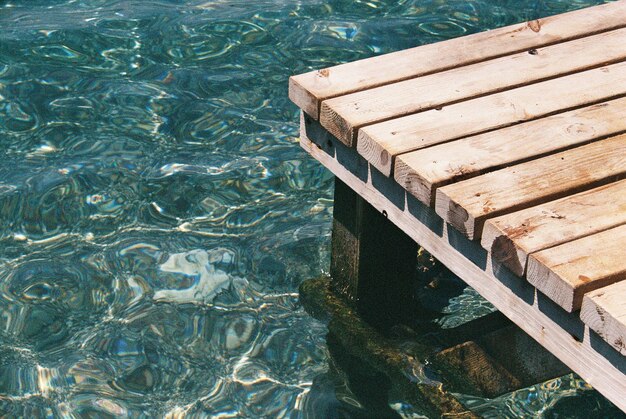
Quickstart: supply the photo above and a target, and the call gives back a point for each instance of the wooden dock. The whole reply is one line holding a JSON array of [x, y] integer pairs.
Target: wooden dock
[[503, 154]]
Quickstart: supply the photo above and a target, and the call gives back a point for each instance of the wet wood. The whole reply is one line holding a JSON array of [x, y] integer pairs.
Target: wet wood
[[496, 362], [344, 115], [466, 205], [381, 143], [513, 237], [309, 89], [480, 373], [604, 310], [521, 354], [375, 355], [422, 172], [567, 272]]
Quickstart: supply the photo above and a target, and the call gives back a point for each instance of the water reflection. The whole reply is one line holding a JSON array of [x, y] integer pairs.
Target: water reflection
[[157, 213]]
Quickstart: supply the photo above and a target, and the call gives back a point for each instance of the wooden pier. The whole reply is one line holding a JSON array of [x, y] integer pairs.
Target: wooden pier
[[503, 154]]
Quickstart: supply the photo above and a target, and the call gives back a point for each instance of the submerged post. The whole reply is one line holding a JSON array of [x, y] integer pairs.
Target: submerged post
[[373, 262]]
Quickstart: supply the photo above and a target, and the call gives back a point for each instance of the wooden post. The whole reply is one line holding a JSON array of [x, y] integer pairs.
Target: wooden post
[[373, 262]]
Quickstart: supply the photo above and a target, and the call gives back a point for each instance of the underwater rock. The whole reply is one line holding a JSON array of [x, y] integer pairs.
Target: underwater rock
[[208, 282]]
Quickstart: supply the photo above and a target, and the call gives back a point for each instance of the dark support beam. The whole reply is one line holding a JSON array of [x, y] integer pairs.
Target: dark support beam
[[373, 262]]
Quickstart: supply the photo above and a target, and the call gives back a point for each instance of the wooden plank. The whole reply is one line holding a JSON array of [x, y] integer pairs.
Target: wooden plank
[[344, 115], [466, 205], [603, 374], [380, 143], [310, 89], [422, 172], [604, 311], [511, 238], [567, 272]]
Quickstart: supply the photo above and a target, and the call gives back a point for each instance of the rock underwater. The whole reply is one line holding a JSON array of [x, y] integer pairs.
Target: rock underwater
[[201, 265]]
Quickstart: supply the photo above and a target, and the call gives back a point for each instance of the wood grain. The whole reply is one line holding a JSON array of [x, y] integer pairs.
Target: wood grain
[[310, 89], [380, 143], [422, 172], [467, 204], [567, 272], [604, 311], [344, 115], [511, 238]]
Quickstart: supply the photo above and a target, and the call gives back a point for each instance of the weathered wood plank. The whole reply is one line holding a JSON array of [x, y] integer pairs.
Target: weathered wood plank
[[344, 115], [511, 238], [606, 375], [567, 272], [604, 311], [309, 89], [422, 172], [466, 205], [380, 143]]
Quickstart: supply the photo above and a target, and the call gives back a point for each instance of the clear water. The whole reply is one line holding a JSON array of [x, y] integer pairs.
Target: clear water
[[158, 214]]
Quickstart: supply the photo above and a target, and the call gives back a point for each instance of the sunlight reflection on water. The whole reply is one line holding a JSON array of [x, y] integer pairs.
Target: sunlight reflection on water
[[158, 214]]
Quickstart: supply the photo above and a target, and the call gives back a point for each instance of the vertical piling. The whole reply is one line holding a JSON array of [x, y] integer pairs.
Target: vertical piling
[[373, 262]]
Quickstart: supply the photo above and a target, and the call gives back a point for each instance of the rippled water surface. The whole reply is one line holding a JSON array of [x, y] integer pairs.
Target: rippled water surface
[[158, 214]]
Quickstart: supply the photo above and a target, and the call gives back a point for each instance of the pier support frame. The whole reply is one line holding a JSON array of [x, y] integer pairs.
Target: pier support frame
[[373, 262], [574, 344]]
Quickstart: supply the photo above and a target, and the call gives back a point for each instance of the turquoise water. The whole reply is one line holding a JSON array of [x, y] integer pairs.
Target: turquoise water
[[158, 214]]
